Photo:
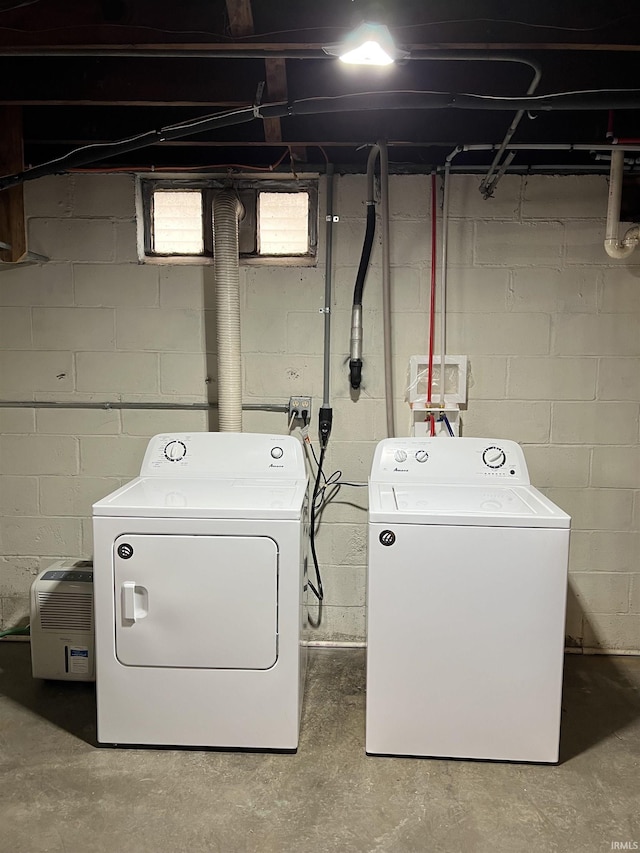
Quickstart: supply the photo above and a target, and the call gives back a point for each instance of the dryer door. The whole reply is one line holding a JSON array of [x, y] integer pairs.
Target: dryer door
[[196, 601]]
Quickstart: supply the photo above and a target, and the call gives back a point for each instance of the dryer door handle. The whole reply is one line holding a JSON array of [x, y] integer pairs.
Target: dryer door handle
[[129, 601]]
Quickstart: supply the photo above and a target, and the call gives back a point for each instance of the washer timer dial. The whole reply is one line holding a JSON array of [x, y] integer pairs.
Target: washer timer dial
[[494, 457], [175, 451], [422, 455]]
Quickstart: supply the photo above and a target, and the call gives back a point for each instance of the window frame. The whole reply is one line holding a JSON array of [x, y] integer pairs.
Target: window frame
[[248, 190]]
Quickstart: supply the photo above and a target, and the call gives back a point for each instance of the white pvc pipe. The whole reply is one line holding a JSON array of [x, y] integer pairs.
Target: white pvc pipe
[[226, 211], [386, 288], [618, 248]]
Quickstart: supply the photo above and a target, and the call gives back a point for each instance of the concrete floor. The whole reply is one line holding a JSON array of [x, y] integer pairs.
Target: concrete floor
[[60, 792]]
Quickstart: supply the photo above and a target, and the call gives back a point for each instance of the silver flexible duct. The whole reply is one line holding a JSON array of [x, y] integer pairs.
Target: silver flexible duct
[[227, 210]]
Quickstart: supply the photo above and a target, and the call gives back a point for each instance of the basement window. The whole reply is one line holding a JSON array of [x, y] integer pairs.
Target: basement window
[[177, 223], [283, 223], [279, 225]]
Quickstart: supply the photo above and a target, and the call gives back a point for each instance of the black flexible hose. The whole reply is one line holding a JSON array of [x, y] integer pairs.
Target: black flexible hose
[[365, 257], [355, 363]]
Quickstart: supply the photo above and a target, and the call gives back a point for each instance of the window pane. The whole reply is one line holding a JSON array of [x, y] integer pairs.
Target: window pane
[[284, 223], [177, 223]]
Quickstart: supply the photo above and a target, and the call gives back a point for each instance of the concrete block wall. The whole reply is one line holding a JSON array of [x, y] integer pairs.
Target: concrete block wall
[[549, 322]]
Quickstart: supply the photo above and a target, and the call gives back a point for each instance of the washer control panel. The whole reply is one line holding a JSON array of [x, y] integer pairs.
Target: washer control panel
[[241, 455], [450, 460]]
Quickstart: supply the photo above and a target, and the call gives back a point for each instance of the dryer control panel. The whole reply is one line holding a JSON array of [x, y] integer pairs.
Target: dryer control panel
[[213, 454], [456, 460]]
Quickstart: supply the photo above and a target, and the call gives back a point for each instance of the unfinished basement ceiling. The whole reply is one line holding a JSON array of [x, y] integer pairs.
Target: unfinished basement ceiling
[[94, 96]]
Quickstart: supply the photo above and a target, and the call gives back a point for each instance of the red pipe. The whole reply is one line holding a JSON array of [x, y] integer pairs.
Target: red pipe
[[623, 140], [610, 125], [432, 310]]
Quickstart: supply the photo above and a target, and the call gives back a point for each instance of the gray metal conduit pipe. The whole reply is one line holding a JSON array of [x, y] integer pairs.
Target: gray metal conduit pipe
[[240, 51], [325, 415], [386, 288], [227, 209], [119, 404], [524, 146], [488, 185], [361, 101], [328, 277], [543, 146]]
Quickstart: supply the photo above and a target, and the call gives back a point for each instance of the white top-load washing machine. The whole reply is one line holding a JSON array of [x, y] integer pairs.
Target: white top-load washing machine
[[466, 601], [199, 575]]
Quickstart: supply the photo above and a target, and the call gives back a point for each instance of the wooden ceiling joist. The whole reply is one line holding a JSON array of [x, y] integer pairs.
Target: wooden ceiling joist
[[241, 24], [240, 18], [12, 222]]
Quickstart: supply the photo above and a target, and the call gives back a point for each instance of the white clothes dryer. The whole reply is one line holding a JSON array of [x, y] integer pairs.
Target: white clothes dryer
[[199, 575], [467, 578]]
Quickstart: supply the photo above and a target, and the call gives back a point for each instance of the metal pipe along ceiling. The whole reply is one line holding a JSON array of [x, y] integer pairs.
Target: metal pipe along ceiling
[[360, 101]]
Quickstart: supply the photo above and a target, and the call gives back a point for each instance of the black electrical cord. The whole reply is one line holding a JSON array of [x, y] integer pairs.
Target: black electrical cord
[[319, 590], [325, 489]]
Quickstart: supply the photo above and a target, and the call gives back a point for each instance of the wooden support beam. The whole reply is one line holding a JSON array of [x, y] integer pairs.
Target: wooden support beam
[[276, 91], [12, 223], [241, 24], [240, 17]]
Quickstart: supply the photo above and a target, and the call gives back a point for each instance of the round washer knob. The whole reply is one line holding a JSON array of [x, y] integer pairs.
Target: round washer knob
[[277, 452], [400, 455], [421, 455], [494, 457]]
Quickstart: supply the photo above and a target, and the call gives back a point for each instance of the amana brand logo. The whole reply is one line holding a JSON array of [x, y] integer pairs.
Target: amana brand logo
[[387, 537]]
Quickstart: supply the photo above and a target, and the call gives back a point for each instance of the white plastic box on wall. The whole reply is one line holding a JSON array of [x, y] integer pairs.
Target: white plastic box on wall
[[455, 393], [62, 631]]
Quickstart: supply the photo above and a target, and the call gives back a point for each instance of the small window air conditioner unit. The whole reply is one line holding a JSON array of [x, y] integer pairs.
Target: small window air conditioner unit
[[62, 632]]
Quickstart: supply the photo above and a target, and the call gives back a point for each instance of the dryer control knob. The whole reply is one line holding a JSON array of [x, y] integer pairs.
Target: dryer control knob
[[422, 455], [175, 451], [276, 452], [400, 455]]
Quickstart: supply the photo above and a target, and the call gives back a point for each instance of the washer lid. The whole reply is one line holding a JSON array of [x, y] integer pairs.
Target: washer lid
[[490, 506], [157, 497]]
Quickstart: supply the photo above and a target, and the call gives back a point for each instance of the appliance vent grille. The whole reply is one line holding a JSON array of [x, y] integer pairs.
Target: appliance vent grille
[[60, 611]]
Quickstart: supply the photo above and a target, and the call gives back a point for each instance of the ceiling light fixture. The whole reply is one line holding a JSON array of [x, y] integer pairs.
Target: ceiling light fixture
[[368, 44]]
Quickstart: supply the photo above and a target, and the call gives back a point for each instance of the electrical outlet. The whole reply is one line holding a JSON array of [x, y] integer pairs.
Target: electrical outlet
[[300, 408]]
